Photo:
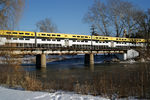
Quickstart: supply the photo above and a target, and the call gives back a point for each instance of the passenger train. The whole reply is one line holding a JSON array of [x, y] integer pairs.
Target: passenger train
[[49, 40]]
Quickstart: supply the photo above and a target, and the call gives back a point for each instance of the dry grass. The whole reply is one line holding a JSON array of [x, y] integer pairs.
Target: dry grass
[[122, 84], [14, 77], [11, 74]]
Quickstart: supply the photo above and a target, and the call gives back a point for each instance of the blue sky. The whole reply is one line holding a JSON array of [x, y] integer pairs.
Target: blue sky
[[66, 14]]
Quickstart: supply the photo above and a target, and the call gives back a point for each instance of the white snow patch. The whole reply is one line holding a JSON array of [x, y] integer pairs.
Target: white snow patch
[[11, 94]]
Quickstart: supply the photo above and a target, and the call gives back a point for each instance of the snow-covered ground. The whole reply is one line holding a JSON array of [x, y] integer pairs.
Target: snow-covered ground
[[11, 94]]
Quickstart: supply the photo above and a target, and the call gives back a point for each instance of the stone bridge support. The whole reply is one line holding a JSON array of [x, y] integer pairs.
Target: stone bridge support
[[89, 59], [125, 56], [41, 61], [129, 54]]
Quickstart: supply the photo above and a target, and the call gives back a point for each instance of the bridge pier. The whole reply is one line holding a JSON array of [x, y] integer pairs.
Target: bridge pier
[[89, 59], [41, 61], [125, 56]]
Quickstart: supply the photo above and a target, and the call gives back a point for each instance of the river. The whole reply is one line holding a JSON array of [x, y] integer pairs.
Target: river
[[74, 67]]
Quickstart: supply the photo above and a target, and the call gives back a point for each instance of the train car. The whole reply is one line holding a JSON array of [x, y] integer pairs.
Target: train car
[[50, 40]]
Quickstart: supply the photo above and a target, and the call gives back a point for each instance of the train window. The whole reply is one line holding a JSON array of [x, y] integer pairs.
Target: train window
[[43, 34], [8, 32], [58, 35], [8, 38], [99, 38], [14, 38], [48, 39], [21, 38], [27, 33], [82, 36], [14, 32], [53, 39], [43, 39], [78, 40], [48, 35], [58, 40], [73, 36], [103, 38], [21, 33], [27, 39], [106, 38], [74, 40], [86, 41], [53, 35], [96, 37], [78, 36], [86, 37]]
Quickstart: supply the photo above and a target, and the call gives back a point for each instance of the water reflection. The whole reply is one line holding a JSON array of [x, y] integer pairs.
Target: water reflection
[[43, 72], [91, 67]]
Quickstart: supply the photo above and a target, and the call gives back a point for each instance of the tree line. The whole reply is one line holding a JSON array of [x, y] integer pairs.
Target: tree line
[[116, 16]]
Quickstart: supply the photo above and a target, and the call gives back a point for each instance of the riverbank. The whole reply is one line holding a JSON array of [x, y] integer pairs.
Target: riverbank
[[7, 94]]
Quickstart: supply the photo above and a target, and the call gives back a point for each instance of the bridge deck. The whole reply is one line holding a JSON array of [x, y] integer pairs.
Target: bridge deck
[[63, 50]]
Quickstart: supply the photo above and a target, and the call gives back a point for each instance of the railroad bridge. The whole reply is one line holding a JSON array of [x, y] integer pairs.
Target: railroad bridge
[[41, 44], [89, 53]]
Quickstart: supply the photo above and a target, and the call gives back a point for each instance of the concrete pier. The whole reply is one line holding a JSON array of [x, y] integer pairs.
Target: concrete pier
[[89, 59], [125, 56], [41, 61]]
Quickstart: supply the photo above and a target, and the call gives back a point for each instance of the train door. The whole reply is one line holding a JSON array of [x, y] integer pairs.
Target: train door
[[2, 41], [112, 44], [66, 42]]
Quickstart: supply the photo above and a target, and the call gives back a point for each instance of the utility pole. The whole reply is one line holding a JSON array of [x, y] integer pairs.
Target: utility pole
[[92, 33], [35, 40]]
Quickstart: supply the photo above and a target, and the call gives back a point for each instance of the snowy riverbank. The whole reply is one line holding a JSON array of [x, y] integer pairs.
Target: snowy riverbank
[[11, 94]]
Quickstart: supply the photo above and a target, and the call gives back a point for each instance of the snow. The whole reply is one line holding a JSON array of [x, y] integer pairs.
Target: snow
[[11, 94]]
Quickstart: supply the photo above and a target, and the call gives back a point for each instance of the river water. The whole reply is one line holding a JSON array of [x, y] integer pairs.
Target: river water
[[74, 67]]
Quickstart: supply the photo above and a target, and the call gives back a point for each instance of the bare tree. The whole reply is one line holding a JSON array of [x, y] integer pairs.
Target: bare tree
[[114, 15], [144, 27], [10, 12], [46, 25], [144, 23], [98, 16]]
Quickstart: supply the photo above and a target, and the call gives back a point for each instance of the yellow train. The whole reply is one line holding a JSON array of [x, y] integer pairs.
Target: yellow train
[[43, 39]]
